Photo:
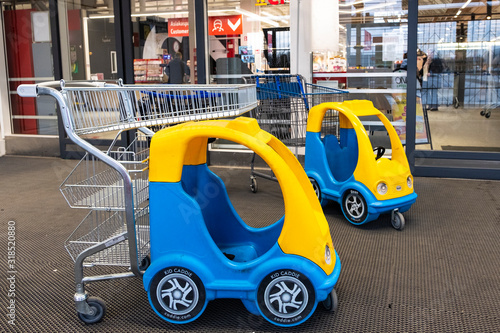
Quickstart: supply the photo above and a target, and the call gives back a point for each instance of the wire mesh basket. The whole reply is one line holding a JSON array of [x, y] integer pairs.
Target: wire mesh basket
[[284, 102], [109, 226], [93, 184], [109, 108]]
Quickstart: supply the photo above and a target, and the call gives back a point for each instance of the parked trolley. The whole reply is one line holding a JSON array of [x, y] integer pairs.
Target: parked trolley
[[284, 101], [348, 169], [202, 250], [113, 184], [492, 92]]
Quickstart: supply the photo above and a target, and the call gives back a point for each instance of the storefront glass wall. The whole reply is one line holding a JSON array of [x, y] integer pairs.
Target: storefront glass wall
[[460, 80], [373, 42]]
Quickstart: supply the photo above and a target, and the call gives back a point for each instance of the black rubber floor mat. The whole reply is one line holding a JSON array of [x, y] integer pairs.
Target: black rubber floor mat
[[440, 274]]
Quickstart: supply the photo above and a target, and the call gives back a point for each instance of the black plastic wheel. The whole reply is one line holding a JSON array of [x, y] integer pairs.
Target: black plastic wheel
[[98, 308], [286, 297], [253, 184], [487, 114], [177, 294], [354, 207], [482, 112], [145, 262], [317, 190], [331, 302], [398, 221]]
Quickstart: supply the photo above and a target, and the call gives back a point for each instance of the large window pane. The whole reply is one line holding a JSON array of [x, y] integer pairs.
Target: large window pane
[[460, 80]]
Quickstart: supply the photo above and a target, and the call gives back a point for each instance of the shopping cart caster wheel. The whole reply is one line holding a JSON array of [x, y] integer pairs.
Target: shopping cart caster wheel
[[317, 190], [286, 297], [98, 308], [331, 302], [253, 185], [482, 113], [488, 114], [145, 262], [398, 221]]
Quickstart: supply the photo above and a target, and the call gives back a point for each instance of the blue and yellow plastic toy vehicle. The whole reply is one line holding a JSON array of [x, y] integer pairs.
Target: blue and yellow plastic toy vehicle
[[346, 169], [202, 250]]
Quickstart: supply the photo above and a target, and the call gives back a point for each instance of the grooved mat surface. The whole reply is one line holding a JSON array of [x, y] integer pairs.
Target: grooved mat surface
[[440, 274]]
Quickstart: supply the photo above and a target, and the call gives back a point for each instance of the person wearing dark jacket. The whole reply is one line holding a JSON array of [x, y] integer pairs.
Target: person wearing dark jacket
[[432, 81], [176, 70]]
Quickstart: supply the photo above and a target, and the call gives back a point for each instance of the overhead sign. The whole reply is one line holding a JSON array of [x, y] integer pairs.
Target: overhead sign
[[225, 25], [178, 27], [217, 25]]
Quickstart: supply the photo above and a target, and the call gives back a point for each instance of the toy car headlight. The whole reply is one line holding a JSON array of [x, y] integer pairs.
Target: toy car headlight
[[328, 255], [409, 181], [382, 188]]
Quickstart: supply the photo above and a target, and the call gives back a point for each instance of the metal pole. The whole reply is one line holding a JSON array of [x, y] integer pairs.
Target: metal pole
[[411, 92]]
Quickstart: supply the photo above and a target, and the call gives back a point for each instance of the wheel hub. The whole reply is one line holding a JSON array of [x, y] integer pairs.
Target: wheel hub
[[286, 297], [177, 294]]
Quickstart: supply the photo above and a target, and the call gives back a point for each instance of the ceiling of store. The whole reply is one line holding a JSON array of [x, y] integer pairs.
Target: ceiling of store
[[351, 11]]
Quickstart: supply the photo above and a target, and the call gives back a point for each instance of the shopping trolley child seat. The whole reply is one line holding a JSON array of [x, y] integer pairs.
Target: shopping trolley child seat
[[202, 250], [346, 169]]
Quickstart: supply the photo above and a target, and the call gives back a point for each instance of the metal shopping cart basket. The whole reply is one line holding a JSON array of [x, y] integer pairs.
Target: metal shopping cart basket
[[113, 184], [493, 93], [284, 101]]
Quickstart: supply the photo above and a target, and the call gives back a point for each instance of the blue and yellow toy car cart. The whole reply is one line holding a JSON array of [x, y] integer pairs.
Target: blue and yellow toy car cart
[[346, 169], [202, 250]]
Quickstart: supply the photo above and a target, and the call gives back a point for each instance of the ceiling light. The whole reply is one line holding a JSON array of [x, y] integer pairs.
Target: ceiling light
[[257, 17], [366, 9]]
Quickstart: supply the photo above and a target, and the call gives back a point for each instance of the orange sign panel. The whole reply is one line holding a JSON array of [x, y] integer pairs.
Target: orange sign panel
[[225, 25], [178, 27]]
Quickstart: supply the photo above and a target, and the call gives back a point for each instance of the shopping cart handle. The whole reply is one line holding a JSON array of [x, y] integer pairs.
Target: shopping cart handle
[[27, 90]]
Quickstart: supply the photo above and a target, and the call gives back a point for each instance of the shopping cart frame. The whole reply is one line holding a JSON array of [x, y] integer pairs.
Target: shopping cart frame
[[300, 95], [200, 103]]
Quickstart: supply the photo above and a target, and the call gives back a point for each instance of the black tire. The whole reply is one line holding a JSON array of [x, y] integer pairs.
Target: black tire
[[354, 207], [487, 114], [317, 190], [253, 184], [98, 308], [145, 262], [331, 302], [482, 112], [398, 221], [286, 297], [177, 294]]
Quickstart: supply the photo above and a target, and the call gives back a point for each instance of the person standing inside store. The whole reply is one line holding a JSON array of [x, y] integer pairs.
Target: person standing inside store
[[421, 61], [432, 80], [177, 70]]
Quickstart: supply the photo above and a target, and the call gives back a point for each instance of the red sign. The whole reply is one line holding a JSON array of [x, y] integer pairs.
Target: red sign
[[225, 25], [270, 2], [368, 41], [178, 27]]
